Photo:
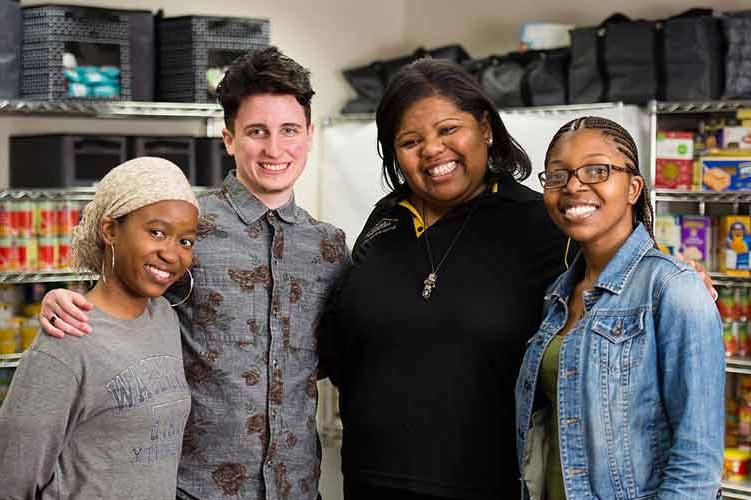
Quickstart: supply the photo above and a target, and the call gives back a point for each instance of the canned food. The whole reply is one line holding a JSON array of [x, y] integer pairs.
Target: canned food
[[743, 340], [726, 303], [47, 253], [729, 338], [63, 252], [742, 302], [47, 218], [22, 218], [4, 220], [69, 213], [29, 331]]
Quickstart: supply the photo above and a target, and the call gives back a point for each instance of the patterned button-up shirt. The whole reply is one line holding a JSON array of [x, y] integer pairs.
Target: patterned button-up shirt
[[261, 278]]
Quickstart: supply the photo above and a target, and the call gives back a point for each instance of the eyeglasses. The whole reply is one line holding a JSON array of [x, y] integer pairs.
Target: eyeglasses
[[587, 174]]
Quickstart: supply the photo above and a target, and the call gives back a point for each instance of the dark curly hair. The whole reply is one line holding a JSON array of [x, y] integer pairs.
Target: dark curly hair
[[264, 71], [625, 144], [440, 78]]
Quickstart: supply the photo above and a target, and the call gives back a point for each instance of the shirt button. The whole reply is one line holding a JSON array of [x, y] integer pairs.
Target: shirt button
[[273, 413], [271, 215], [274, 363], [268, 463]]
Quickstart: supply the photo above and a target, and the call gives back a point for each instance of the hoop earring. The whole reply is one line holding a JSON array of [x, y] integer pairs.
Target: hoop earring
[[189, 291], [103, 274]]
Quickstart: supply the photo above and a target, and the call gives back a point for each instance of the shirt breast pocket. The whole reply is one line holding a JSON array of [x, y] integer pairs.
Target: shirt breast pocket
[[620, 338]]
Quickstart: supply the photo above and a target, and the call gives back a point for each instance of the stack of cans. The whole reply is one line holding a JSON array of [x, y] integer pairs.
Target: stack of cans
[[35, 235], [733, 304]]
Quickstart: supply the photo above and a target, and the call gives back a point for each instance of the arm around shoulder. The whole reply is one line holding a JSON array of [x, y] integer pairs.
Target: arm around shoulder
[[691, 363]]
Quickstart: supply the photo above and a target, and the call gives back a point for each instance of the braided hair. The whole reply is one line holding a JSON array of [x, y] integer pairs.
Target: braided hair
[[626, 145]]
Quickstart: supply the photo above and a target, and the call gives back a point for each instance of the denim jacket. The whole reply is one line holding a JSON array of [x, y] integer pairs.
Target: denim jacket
[[640, 383]]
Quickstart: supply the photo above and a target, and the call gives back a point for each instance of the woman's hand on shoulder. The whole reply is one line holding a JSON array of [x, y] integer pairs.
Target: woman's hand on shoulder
[[63, 313], [703, 274]]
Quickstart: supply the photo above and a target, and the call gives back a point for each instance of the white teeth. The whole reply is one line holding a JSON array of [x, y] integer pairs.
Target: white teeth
[[274, 166], [443, 169], [163, 275], [580, 210]]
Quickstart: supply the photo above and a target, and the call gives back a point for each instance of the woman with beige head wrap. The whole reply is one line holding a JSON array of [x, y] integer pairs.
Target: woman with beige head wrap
[[115, 400]]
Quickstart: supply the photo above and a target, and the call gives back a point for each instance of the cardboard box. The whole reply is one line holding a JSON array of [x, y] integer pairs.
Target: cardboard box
[[733, 244], [696, 239], [736, 138], [726, 173], [675, 145], [674, 174], [668, 233]]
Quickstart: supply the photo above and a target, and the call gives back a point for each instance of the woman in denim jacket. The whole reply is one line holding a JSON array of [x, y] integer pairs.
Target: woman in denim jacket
[[621, 391]]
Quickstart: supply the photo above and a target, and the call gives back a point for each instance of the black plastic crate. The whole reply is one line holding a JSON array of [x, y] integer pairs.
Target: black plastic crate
[[213, 161], [60, 160], [192, 47], [179, 150], [72, 52]]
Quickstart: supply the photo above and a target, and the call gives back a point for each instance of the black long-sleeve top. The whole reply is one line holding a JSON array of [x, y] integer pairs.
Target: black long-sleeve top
[[427, 387]]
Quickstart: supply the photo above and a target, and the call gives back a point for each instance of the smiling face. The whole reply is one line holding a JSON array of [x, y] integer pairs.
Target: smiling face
[[153, 247], [443, 153], [270, 142], [592, 214]]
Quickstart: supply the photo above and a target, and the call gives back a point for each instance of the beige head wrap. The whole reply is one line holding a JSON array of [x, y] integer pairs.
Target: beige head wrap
[[127, 187]]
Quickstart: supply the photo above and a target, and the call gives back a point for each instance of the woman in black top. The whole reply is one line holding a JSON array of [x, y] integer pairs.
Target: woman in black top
[[425, 333]]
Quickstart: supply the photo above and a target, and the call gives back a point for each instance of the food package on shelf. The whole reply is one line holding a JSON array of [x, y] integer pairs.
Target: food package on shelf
[[675, 160], [726, 173], [733, 243], [667, 230], [696, 239]]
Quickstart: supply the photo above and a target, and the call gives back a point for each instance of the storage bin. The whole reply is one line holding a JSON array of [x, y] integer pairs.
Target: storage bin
[[212, 161], [179, 150], [194, 52], [63, 160], [72, 52]]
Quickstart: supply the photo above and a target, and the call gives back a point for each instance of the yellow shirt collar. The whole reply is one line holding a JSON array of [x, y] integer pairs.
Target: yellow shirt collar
[[417, 222]]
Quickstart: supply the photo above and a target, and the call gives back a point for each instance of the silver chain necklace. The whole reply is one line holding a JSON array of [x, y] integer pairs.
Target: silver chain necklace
[[431, 281]]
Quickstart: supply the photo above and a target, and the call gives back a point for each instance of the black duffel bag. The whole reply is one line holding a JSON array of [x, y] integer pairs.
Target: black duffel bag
[[615, 61], [738, 59], [631, 61], [530, 78], [370, 80], [693, 56]]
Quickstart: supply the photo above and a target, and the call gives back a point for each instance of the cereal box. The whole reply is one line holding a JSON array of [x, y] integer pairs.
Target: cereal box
[[733, 243], [696, 239], [668, 233], [675, 157], [675, 145], [674, 174], [726, 173]]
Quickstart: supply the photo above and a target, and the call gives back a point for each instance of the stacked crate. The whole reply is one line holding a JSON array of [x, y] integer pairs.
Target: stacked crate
[[188, 44]]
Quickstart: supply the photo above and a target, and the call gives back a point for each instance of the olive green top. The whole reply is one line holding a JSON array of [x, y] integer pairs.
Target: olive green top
[[554, 489]]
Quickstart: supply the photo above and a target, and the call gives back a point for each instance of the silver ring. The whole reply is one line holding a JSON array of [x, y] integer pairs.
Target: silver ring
[[53, 318]]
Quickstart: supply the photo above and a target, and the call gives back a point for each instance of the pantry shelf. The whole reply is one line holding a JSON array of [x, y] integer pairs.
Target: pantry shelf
[[112, 109], [720, 279], [668, 107], [738, 365], [45, 277], [736, 490], [10, 360], [702, 196]]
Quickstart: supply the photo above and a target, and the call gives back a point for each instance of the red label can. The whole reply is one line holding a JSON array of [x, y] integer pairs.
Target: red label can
[[47, 253], [63, 252]]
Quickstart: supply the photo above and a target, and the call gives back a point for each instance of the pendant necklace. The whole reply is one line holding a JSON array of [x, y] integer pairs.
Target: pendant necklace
[[431, 281]]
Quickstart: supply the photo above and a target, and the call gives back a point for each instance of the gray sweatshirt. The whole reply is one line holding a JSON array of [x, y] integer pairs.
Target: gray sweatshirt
[[100, 416]]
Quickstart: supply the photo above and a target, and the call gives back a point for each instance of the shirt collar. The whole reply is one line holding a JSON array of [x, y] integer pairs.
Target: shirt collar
[[617, 272], [250, 208]]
